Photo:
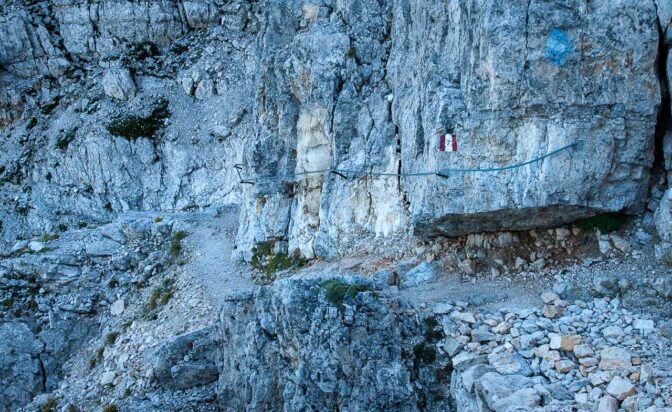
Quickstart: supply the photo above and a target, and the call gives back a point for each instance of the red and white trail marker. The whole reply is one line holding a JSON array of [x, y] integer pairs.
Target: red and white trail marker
[[453, 143]]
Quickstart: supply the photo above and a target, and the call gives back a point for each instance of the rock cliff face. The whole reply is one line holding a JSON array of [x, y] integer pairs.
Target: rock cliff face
[[288, 87], [510, 81], [74, 155], [333, 126], [301, 345]]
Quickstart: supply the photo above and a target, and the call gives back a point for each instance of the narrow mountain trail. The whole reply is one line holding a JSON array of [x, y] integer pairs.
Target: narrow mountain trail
[[211, 241]]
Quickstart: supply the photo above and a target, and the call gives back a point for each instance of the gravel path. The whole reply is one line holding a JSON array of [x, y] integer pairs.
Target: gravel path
[[210, 243], [211, 240]]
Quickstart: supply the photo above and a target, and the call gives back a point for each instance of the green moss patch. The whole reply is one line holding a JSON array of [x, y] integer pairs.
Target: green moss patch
[[264, 259], [110, 408], [337, 292], [51, 405], [162, 294], [176, 243], [605, 222], [111, 338], [133, 127]]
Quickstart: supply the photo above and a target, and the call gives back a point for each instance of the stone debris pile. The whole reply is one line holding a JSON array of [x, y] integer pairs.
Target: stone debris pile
[[564, 356]]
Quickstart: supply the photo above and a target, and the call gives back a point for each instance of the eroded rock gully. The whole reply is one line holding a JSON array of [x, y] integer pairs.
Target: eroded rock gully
[[111, 109]]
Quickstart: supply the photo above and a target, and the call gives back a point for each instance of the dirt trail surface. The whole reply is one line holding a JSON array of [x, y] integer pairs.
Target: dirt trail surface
[[210, 265], [211, 242]]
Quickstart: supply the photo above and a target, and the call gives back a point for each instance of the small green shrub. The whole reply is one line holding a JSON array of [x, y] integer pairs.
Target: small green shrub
[[337, 291], [32, 122], [176, 243], [605, 222], [112, 283], [49, 237], [64, 142], [62, 227], [154, 299], [161, 294], [110, 408], [134, 127], [51, 405], [279, 261], [158, 219], [264, 259], [165, 298], [111, 338]]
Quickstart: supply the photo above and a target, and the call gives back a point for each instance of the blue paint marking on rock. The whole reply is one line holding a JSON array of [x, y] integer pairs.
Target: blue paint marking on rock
[[558, 46]]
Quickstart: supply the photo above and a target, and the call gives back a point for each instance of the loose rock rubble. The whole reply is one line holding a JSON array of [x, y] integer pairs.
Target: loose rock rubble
[[576, 356], [91, 315]]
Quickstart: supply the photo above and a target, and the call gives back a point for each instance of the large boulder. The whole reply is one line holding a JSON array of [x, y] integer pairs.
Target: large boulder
[[118, 83], [186, 361], [21, 373]]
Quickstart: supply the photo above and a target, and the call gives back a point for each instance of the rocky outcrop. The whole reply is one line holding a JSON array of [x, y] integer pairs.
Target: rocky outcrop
[[21, 372], [54, 291], [90, 28], [558, 80], [380, 90], [26, 46], [118, 83], [365, 88], [327, 344], [186, 361], [663, 219]]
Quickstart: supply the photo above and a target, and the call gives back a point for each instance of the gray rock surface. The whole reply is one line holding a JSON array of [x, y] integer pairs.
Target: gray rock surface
[[419, 275], [186, 361], [21, 373], [663, 219], [304, 87], [238, 102], [27, 47], [507, 104], [288, 347], [118, 83]]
